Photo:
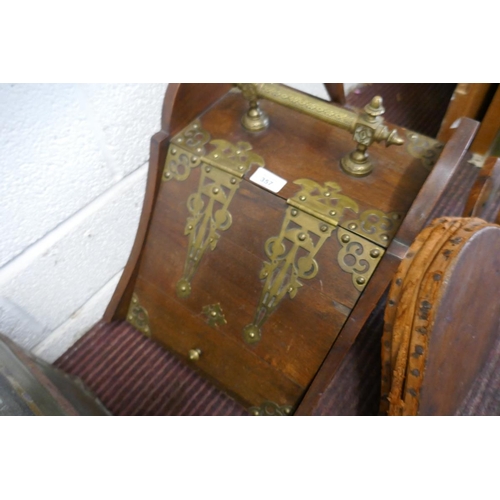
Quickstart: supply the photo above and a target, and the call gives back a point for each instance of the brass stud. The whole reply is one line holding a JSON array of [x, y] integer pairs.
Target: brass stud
[[215, 190], [233, 181], [333, 212], [213, 314], [294, 212], [179, 139], [303, 198], [328, 194], [238, 152], [360, 280], [323, 228], [194, 159], [251, 335], [168, 175], [346, 238], [190, 227], [290, 290], [199, 150], [195, 126], [384, 237], [241, 167], [216, 155], [375, 253], [302, 237], [130, 318], [174, 151], [352, 226], [208, 170]]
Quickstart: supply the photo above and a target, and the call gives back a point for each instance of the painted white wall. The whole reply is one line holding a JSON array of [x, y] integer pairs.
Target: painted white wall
[[73, 166]]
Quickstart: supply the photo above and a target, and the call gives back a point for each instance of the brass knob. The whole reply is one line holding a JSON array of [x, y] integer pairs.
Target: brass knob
[[194, 354]]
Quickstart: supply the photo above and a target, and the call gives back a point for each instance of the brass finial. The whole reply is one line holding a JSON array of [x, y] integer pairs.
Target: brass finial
[[376, 107]]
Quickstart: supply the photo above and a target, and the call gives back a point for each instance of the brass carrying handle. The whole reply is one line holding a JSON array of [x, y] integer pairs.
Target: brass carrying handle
[[367, 127]]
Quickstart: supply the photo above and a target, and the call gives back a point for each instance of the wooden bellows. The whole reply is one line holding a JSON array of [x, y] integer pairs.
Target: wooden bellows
[[442, 317]]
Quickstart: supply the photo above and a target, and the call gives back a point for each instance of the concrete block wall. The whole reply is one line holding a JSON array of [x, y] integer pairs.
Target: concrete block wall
[[73, 164]]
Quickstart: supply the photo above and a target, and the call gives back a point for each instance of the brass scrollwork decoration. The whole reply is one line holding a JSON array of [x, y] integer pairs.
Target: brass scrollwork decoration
[[427, 150], [270, 409], [377, 226], [214, 315], [358, 257], [185, 152], [222, 172], [138, 317], [309, 221]]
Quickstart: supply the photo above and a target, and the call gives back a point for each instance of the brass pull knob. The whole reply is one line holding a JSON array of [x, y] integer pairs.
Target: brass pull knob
[[194, 354]]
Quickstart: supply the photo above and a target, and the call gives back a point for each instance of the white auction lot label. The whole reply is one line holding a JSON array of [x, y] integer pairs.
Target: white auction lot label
[[266, 179]]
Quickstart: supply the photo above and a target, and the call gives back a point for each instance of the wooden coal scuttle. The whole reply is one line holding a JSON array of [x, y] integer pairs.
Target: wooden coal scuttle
[[269, 239]]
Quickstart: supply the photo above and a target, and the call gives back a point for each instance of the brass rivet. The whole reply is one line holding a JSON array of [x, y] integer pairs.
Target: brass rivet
[[360, 281], [333, 212], [265, 275], [130, 318], [238, 152], [290, 290], [251, 335], [174, 151], [168, 175], [195, 125], [179, 139], [194, 159], [199, 150], [346, 238], [255, 412], [208, 169], [328, 194], [302, 237], [215, 190], [324, 228], [375, 253], [352, 226], [213, 314], [384, 237], [233, 181], [303, 198], [146, 329], [216, 155], [294, 212], [183, 288], [241, 167], [190, 227]]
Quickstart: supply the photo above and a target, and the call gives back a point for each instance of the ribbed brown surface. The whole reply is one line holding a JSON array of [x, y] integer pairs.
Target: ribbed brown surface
[[132, 375], [417, 106]]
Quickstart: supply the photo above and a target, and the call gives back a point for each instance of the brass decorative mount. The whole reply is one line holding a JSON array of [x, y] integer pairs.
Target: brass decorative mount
[[367, 127]]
